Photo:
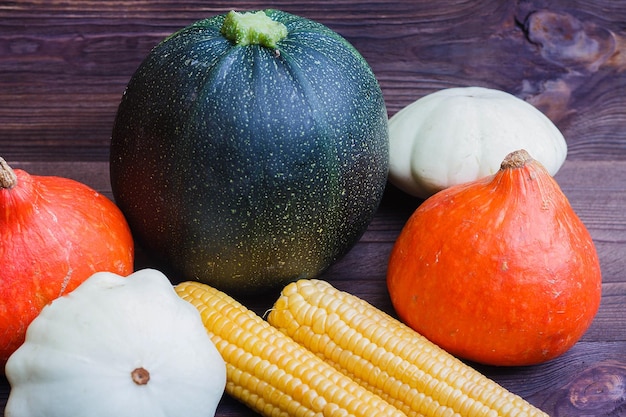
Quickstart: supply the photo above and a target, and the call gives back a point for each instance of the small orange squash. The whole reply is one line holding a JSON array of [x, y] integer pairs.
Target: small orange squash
[[499, 271], [54, 233]]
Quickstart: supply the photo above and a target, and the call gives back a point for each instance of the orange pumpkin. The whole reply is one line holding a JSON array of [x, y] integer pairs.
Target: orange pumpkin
[[499, 271], [54, 233]]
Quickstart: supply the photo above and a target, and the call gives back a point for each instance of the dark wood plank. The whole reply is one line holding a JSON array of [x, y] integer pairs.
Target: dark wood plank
[[585, 381], [64, 65]]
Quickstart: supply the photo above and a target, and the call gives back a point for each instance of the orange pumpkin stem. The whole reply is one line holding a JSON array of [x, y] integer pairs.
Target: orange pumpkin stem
[[8, 179], [516, 159]]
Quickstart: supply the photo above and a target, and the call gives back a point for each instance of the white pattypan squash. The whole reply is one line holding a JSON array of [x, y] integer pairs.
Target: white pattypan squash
[[462, 134], [117, 347]]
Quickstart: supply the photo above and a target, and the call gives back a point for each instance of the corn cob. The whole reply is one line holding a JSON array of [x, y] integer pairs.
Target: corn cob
[[269, 372], [387, 357]]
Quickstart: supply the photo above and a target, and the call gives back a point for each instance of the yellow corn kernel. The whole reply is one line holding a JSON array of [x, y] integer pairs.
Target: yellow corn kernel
[[387, 357], [271, 373]]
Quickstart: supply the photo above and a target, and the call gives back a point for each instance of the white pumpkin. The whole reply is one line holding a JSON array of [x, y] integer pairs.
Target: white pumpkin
[[118, 347], [462, 134]]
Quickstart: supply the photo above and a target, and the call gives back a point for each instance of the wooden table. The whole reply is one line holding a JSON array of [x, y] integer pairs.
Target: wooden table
[[63, 67]]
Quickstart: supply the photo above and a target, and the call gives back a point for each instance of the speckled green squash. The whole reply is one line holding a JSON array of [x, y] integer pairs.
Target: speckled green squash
[[248, 166]]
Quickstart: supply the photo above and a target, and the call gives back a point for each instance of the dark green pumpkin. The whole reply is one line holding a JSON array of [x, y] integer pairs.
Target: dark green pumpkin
[[249, 166]]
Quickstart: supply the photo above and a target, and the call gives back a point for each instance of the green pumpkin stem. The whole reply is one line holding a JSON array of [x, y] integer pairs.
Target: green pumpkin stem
[[8, 179], [253, 28]]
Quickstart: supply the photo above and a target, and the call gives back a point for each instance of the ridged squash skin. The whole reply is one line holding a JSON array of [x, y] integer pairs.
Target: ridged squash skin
[[499, 271], [55, 232], [246, 167]]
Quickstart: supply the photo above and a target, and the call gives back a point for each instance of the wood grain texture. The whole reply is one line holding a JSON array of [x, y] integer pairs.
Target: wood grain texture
[[64, 66], [586, 381]]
